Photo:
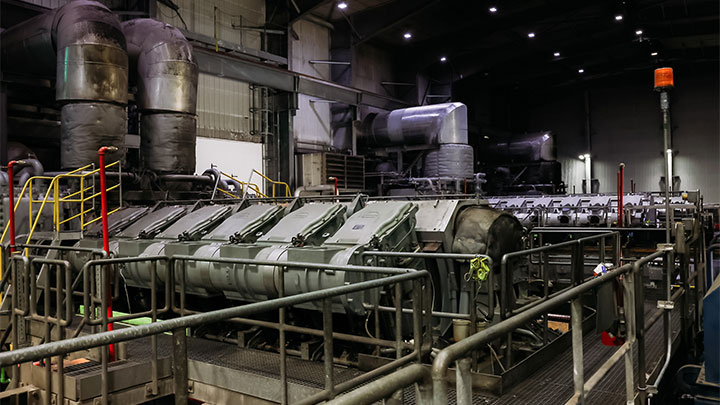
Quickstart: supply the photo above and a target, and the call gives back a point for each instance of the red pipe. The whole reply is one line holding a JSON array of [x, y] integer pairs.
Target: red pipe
[[11, 198], [621, 187], [106, 239]]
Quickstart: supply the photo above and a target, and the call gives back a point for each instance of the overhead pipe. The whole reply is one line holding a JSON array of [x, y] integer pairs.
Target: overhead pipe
[[166, 73], [83, 46]]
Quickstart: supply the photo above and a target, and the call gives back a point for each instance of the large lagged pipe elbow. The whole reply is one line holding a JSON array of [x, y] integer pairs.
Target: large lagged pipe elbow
[[83, 45], [167, 76]]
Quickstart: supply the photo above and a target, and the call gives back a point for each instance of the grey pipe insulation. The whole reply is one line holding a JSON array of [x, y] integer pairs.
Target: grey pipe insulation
[[85, 47], [34, 168], [82, 44], [166, 74]]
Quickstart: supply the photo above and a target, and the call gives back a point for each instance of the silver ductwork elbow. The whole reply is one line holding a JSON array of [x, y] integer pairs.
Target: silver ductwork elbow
[[167, 77], [83, 40], [435, 124], [441, 127]]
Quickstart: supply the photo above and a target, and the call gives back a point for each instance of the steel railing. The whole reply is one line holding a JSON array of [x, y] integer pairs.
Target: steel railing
[[432, 384], [96, 275]]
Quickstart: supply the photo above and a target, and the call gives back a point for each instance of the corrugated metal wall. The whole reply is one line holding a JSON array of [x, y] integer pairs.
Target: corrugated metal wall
[[230, 16], [223, 108]]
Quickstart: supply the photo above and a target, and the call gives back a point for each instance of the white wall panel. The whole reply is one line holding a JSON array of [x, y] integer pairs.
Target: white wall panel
[[233, 157]]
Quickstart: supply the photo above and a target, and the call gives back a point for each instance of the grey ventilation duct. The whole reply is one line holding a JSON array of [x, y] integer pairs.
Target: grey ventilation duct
[[435, 124], [83, 46], [441, 127], [167, 77]]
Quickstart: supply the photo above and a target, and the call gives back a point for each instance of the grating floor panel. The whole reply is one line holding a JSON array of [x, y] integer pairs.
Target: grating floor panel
[[553, 384]]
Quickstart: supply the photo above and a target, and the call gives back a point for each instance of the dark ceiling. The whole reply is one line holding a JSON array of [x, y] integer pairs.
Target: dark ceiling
[[495, 45]]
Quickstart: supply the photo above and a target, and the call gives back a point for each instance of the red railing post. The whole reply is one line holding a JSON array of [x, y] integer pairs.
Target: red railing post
[[621, 186], [106, 239], [336, 184]]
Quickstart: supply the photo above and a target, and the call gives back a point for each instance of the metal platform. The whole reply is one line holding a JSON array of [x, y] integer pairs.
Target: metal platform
[[225, 373], [553, 384]]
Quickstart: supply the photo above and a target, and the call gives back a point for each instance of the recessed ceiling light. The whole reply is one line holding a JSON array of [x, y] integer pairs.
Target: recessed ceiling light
[[618, 17], [342, 5], [556, 54], [581, 70], [493, 9], [638, 32], [407, 35], [654, 54], [531, 35], [443, 59]]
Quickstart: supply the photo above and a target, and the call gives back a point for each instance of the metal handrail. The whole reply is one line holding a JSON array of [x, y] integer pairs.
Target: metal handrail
[[288, 193], [393, 276], [62, 347], [243, 184]]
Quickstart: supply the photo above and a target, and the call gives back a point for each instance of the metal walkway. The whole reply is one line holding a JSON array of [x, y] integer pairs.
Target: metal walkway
[[256, 373]]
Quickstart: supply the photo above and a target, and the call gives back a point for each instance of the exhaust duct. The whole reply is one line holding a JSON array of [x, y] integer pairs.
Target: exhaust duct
[[435, 124], [85, 44], [167, 78]]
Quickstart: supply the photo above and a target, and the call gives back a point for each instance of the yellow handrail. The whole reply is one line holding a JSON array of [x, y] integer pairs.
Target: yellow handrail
[[288, 193], [243, 184]]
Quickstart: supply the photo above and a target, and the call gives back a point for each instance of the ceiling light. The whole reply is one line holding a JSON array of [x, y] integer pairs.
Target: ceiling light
[[493, 9], [443, 59], [342, 5], [654, 54], [581, 70], [556, 54], [618, 17], [581, 157], [407, 35], [638, 32], [531, 35]]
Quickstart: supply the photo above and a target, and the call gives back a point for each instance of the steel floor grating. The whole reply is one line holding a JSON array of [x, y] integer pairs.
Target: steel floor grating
[[553, 384]]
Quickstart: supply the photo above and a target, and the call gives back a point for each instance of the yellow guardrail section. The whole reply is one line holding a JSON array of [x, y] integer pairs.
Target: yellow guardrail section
[[275, 183], [87, 202], [251, 186]]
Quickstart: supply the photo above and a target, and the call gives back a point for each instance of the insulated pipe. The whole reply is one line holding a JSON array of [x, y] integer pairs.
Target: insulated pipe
[[435, 124], [167, 77], [214, 173], [35, 169], [106, 238], [82, 45], [11, 201]]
